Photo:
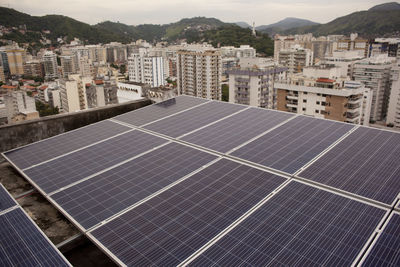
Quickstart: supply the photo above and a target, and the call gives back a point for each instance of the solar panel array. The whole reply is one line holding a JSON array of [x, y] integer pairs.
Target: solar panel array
[[22, 243], [198, 182]]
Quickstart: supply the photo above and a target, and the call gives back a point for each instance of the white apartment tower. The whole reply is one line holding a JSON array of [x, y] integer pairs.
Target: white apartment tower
[[199, 73], [295, 58], [374, 73], [393, 111], [146, 69], [254, 87], [49, 60]]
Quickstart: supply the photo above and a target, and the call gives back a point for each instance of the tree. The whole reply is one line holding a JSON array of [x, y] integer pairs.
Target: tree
[[225, 92]]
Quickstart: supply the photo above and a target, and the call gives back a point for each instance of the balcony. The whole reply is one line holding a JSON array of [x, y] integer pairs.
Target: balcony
[[352, 115], [292, 97], [291, 105], [355, 100]]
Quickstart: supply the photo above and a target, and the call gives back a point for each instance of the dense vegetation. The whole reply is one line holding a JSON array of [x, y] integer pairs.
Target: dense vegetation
[[378, 21], [45, 109]]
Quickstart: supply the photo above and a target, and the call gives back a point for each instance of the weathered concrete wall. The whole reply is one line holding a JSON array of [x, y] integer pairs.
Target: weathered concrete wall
[[19, 134]]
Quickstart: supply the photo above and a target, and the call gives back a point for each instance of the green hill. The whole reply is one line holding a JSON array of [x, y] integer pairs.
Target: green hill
[[382, 20]]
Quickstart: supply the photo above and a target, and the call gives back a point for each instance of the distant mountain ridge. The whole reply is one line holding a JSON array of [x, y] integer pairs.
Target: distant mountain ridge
[[381, 20]]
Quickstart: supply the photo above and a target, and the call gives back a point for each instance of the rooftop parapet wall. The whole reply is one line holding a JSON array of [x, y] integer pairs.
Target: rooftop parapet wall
[[19, 134]]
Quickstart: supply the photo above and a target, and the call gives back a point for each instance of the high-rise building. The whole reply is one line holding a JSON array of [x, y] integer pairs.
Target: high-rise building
[[254, 87], [20, 106], [16, 58], [345, 60], [199, 73], [101, 93], [386, 46], [34, 68], [353, 43], [2, 75], [68, 65], [325, 98], [146, 69], [73, 93], [49, 61], [295, 58], [97, 53], [393, 111], [374, 73]]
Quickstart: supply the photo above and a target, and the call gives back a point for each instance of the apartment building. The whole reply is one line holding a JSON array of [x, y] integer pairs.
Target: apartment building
[[73, 93], [97, 53], [353, 43], [319, 93], [16, 58], [199, 73], [254, 86], [295, 58], [393, 111], [345, 60], [68, 65], [143, 68], [49, 61], [20, 106], [238, 52], [374, 73], [2, 75], [34, 68]]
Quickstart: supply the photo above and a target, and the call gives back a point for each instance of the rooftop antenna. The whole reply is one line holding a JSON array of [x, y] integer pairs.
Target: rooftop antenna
[[254, 29]]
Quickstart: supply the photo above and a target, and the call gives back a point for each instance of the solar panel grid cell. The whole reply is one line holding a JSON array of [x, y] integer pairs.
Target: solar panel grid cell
[[160, 110], [234, 131], [386, 251], [289, 147], [6, 201], [56, 146], [299, 226], [193, 119], [22, 244], [103, 196], [367, 163], [171, 226], [71, 168]]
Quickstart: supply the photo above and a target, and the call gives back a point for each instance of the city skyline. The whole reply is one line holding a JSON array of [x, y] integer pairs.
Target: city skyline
[[158, 12]]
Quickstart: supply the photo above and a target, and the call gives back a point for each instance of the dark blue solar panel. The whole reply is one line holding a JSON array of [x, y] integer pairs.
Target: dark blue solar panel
[[168, 228], [56, 146], [299, 226], [386, 251], [234, 131], [22, 244], [367, 163], [6, 200], [290, 146], [71, 168], [99, 198], [190, 120], [160, 110]]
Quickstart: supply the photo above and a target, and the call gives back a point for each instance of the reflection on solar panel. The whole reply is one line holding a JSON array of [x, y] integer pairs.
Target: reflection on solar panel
[[291, 146], [91, 160], [56, 146], [301, 226], [6, 201], [101, 197], [386, 251], [365, 163], [241, 128], [160, 110], [190, 120], [168, 228], [23, 244]]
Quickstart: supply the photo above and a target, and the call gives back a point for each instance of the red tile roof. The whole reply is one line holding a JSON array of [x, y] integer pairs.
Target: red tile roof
[[8, 87], [325, 80], [98, 82]]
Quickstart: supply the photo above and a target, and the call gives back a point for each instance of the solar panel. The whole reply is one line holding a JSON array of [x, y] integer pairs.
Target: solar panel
[[105, 195], [6, 200], [299, 226], [160, 110], [71, 168], [56, 146], [234, 131], [386, 251], [292, 145], [23, 244], [367, 163], [190, 120], [169, 227]]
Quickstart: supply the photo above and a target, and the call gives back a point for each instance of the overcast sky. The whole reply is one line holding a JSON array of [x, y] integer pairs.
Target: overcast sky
[[135, 12]]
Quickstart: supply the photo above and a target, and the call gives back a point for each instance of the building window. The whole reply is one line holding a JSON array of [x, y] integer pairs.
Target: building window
[[316, 111], [318, 94], [318, 103], [304, 109], [304, 100], [305, 93]]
